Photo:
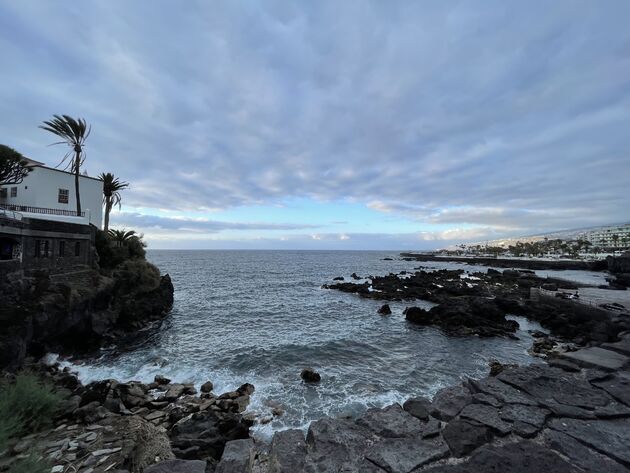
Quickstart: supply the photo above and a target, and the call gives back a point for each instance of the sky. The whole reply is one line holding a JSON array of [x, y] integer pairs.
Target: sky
[[332, 125]]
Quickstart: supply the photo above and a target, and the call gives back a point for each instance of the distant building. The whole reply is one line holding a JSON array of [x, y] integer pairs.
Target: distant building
[[48, 193], [609, 237]]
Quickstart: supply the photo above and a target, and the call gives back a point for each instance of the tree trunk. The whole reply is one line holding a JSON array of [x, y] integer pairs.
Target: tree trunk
[[108, 208], [77, 164]]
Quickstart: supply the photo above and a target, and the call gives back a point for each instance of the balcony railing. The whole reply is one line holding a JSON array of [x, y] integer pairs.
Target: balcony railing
[[40, 210]]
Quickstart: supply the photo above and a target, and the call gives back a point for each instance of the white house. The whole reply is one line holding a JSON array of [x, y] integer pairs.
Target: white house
[[48, 193]]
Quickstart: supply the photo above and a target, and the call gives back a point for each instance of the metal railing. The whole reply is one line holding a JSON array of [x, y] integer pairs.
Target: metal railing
[[40, 210], [12, 214]]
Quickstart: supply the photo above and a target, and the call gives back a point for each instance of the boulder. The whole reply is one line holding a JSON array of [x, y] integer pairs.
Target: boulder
[[207, 387], [178, 466], [486, 415], [161, 380], [448, 402], [521, 457], [288, 452], [390, 422], [385, 310], [463, 436], [418, 407], [403, 455], [238, 457], [309, 375], [204, 434]]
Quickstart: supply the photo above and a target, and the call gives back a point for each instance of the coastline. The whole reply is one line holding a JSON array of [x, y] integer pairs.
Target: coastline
[[416, 435], [522, 263]]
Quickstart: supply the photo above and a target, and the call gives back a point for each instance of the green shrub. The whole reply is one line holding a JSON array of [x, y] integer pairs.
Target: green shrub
[[31, 464], [112, 253], [26, 405], [138, 274]]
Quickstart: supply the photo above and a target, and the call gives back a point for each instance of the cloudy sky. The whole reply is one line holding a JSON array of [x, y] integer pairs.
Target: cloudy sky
[[380, 125]]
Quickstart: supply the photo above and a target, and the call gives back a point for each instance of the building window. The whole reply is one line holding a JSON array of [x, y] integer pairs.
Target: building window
[[62, 248], [77, 248], [63, 196], [42, 248], [13, 191], [3, 193]]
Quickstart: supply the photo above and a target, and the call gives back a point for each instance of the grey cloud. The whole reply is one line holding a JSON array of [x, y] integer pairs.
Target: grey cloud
[[154, 222], [422, 106]]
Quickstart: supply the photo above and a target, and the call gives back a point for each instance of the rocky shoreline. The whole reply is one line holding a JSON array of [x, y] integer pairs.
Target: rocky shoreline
[[568, 413], [80, 312], [598, 265]]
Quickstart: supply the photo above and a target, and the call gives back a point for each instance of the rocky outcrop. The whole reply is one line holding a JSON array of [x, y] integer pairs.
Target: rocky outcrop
[[42, 314], [465, 316], [531, 418], [511, 262], [112, 426]]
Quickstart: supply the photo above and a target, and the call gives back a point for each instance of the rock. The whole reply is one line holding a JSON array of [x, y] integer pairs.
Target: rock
[[403, 455], [563, 365], [465, 315], [355, 276], [533, 415], [246, 389], [338, 278], [206, 433], [583, 457], [610, 437], [522, 457], [486, 415], [309, 375], [448, 402], [562, 393], [596, 357], [482, 398], [91, 413], [497, 367], [207, 387], [238, 457], [503, 392], [617, 385], [418, 407], [390, 422], [463, 437], [385, 310], [178, 466], [143, 443], [161, 380], [333, 442], [174, 391], [288, 452]]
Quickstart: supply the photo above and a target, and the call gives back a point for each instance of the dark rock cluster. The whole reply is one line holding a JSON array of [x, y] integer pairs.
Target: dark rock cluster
[[133, 425], [533, 418], [41, 314]]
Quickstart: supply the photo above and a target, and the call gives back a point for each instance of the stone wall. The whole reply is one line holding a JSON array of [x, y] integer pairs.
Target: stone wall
[[56, 247]]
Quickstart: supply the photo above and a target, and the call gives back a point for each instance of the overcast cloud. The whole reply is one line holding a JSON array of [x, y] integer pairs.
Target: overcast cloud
[[468, 119]]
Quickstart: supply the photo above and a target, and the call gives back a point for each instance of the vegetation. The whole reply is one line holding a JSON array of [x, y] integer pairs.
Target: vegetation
[[13, 166], [118, 246], [73, 133], [111, 194], [30, 464], [26, 405], [139, 274], [558, 247]]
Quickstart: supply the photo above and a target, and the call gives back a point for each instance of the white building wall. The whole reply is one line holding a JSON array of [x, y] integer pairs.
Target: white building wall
[[40, 188]]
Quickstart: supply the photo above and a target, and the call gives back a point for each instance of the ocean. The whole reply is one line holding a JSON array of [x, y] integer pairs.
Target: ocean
[[261, 317]]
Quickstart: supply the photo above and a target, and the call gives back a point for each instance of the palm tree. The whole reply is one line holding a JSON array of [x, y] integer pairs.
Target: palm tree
[[73, 133], [121, 237], [111, 194]]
